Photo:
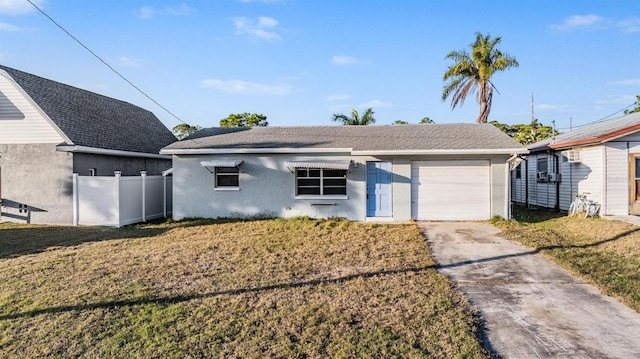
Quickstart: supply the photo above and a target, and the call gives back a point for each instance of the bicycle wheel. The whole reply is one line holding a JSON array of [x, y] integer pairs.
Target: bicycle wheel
[[583, 210], [573, 208]]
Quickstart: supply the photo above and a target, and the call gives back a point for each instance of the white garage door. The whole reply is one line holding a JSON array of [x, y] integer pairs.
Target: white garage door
[[451, 190]]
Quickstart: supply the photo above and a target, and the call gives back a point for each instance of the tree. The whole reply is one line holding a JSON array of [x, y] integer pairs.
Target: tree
[[400, 122], [355, 119], [473, 72], [244, 120], [426, 120], [184, 130], [635, 109], [526, 133]]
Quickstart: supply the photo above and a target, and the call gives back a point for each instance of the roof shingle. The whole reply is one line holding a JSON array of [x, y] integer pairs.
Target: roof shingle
[[359, 138], [93, 120]]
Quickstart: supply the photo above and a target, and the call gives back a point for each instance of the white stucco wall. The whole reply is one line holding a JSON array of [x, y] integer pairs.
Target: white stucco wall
[[267, 188]]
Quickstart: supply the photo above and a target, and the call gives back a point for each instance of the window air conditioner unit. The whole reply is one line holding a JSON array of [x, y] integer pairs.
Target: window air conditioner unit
[[573, 156], [542, 177], [555, 177]]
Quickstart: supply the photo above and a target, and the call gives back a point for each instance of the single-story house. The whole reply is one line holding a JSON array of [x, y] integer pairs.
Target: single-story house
[[601, 159], [49, 130], [394, 172]]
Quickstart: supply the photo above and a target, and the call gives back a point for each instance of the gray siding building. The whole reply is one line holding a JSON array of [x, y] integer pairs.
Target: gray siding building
[[49, 130]]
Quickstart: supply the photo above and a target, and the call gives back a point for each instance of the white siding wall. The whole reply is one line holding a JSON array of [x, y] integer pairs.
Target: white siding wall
[[542, 194], [518, 185], [617, 179], [33, 128], [586, 176]]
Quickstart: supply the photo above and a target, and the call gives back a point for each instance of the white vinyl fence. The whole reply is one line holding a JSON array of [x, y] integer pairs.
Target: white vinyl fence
[[117, 201]]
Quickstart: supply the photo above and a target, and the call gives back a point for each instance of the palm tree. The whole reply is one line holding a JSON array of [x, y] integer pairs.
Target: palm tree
[[355, 119], [472, 72]]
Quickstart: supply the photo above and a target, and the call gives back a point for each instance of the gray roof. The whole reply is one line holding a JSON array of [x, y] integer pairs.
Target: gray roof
[[92, 120], [596, 131], [359, 138]]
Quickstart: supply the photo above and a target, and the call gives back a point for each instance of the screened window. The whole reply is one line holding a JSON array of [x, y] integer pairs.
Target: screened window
[[321, 182], [227, 177], [542, 164]]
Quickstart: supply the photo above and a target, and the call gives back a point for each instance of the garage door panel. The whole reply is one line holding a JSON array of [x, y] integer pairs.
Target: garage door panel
[[451, 190]]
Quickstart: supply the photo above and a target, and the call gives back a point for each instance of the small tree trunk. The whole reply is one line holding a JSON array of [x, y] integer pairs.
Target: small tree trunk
[[484, 98]]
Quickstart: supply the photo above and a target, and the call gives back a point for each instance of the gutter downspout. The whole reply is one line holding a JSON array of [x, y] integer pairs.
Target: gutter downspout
[[556, 164], [526, 181]]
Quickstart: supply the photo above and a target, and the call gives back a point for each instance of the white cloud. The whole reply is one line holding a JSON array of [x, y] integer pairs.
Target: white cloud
[[627, 82], [8, 27], [262, 29], [128, 61], [344, 60], [333, 98], [247, 88], [630, 25], [578, 22], [375, 104], [617, 100], [545, 107], [263, 1], [147, 12], [19, 7]]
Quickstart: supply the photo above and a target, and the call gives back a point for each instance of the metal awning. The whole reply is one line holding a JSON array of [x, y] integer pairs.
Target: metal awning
[[211, 165], [332, 165]]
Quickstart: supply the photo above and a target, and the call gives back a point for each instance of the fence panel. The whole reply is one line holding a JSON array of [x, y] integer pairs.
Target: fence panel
[[130, 200], [154, 198], [97, 201], [117, 201]]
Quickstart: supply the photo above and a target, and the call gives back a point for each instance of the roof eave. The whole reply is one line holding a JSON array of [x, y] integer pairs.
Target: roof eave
[[593, 140], [103, 151], [487, 151], [210, 151]]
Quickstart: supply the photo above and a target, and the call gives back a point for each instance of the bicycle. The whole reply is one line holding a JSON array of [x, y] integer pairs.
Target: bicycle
[[583, 207]]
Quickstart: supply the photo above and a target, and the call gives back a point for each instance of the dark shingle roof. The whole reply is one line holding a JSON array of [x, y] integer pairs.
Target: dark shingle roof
[[92, 120], [359, 138]]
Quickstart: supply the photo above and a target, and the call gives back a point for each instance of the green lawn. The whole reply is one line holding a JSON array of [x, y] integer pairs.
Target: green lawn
[[603, 252], [294, 288]]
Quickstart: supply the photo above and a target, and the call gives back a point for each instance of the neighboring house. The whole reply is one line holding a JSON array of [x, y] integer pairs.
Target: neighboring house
[[49, 130], [394, 173], [601, 159]]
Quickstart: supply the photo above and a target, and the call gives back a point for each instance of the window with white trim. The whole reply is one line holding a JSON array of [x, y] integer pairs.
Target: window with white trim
[[227, 177], [321, 182], [542, 164]]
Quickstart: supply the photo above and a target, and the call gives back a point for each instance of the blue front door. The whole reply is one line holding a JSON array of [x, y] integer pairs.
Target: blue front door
[[378, 189]]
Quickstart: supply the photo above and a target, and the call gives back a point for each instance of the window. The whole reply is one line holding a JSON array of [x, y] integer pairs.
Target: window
[[518, 172], [321, 182], [227, 177], [542, 164]]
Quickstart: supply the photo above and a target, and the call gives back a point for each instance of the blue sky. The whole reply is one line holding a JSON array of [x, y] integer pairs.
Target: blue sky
[[299, 61]]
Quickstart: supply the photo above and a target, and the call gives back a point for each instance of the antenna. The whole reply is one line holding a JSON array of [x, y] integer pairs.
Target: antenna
[[532, 114]]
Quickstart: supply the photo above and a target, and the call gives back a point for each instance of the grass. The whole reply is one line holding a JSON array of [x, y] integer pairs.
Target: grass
[[296, 288], [603, 252]]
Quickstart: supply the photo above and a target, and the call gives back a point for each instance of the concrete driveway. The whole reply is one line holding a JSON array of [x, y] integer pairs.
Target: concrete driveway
[[531, 308]]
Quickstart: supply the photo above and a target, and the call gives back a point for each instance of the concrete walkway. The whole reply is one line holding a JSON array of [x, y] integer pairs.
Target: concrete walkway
[[531, 308], [635, 220]]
